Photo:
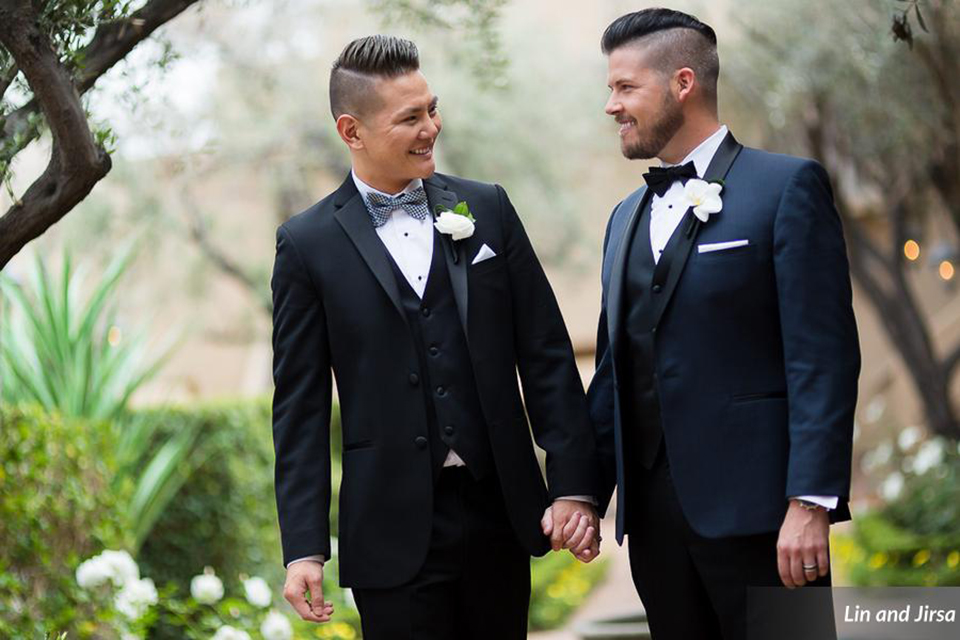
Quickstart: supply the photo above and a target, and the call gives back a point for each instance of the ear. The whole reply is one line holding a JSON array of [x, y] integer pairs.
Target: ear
[[684, 82], [349, 129]]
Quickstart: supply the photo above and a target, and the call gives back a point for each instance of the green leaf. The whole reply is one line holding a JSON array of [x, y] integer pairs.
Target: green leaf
[[920, 21]]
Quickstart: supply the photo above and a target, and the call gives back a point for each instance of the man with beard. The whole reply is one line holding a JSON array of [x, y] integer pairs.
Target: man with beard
[[727, 351], [423, 295]]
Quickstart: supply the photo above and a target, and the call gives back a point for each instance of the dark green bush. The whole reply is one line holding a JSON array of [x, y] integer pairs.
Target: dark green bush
[[914, 540], [56, 509]]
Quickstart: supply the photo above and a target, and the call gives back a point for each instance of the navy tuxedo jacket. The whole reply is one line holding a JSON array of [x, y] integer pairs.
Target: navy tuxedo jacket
[[337, 308], [756, 349]]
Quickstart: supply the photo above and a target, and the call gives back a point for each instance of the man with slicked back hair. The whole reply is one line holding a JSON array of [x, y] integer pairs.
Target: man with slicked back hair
[[422, 295], [727, 350]]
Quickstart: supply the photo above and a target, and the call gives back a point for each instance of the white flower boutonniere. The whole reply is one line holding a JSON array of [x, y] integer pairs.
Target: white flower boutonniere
[[704, 197], [459, 223]]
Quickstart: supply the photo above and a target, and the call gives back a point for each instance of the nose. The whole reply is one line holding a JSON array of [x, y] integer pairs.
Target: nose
[[612, 107], [430, 130]]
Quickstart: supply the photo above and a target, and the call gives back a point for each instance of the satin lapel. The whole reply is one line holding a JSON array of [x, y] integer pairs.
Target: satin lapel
[[618, 271], [351, 212], [670, 266], [439, 195]]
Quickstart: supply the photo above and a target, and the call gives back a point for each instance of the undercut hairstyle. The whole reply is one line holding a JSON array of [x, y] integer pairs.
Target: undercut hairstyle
[[358, 67], [675, 40]]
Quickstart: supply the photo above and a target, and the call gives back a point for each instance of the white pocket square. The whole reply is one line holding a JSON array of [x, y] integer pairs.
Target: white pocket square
[[485, 253], [720, 246]]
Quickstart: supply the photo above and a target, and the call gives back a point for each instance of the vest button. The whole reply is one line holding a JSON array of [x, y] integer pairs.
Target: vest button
[[448, 430], [414, 379], [434, 351], [421, 442], [441, 391], [657, 288], [426, 312]]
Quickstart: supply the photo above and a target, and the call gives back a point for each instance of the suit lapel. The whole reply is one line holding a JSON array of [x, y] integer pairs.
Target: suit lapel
[[439, 195], [351, 212], [671, 264], [619, 266]]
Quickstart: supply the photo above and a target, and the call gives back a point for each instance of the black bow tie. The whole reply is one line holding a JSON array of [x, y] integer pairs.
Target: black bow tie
[[661, 178]]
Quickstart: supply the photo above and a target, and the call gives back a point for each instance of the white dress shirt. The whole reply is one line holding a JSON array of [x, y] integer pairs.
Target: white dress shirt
[[667, 211]]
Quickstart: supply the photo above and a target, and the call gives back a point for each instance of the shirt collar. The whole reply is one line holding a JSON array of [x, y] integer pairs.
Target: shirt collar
[[366, 189], [703, 154]]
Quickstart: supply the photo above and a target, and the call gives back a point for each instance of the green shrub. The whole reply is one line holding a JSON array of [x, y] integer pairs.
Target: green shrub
[[914, 540], [56, 508], [559, 584]]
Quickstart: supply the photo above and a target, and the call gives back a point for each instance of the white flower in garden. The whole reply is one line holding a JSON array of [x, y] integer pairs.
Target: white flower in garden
[[877, 457], [891, 487], [135, 598], [92, 573], [276, 626], [257, 591], [226, 632], [116, 566], [704, 197], [929, 456], [908, 437], [206, 588]]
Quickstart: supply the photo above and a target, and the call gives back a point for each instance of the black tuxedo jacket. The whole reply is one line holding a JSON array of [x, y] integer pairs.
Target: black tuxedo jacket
[[756, 349], [337, 306]]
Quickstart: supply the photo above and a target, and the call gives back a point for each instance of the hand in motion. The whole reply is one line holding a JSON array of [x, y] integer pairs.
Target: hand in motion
[[573, 525], [304, 576], [803, 547]]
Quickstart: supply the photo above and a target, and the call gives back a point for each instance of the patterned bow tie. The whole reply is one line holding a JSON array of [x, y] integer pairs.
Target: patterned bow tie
[[381, 206], [660, 179]]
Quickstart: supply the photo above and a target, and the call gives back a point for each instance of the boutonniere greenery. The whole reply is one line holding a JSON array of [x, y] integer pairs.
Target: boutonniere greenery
[[704, 197], [458, 222]]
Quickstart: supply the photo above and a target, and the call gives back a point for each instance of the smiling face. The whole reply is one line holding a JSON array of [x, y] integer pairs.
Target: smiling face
[[394, 142], [642, 102]]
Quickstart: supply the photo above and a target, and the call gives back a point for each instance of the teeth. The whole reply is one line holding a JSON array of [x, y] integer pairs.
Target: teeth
[[421, 152]]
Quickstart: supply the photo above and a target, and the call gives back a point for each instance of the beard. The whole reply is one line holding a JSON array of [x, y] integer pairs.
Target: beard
[[655, 137]]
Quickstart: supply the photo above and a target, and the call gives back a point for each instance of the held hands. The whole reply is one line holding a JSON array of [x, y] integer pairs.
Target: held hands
[[573, 525], [301, 577], [803, 547]]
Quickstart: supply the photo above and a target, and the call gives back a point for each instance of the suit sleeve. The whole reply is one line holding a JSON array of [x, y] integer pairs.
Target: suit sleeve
[[552, 390], [600, 398], [301, 406], [820, 343]]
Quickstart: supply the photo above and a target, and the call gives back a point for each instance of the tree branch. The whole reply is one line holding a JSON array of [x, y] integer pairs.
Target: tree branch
[[111, 42], [76, 162], [200, 235]]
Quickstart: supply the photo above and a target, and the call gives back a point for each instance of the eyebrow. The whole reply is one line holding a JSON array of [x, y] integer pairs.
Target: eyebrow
[[412, 110]]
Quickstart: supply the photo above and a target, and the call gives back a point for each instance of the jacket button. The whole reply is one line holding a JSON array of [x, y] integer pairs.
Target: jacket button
[[441, 391], [426, 312], [448, 430], [434, 351], [414, 379], [421, 442], [657, 288]]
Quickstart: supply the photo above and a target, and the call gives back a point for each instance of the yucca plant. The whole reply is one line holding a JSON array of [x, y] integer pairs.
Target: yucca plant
[[68, 354], [65, 352]]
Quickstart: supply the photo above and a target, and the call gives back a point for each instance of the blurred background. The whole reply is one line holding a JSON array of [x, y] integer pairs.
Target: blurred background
[[135, 318]]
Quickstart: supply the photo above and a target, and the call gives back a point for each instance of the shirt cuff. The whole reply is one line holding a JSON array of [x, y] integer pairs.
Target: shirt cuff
[[317, 558], [827, 502], [587, 499]]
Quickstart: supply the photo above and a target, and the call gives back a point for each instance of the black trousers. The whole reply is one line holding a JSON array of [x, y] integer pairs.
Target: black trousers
[[475, 582], [694, 587]]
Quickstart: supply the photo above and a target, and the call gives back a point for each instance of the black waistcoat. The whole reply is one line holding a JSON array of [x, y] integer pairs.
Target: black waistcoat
[[446, 373], [642, 300]]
